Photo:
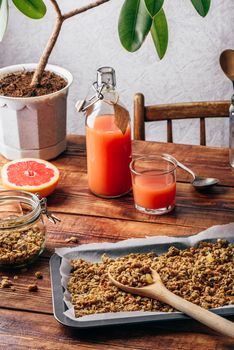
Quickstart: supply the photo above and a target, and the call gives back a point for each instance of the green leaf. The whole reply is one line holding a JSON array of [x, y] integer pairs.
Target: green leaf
[[35, 9], [202, 6], [3, 17], [154, 6], [159, 33], [134, 24]]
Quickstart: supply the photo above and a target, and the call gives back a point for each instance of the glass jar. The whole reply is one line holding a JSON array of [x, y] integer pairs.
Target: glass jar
[[231, 133], [22, 229], [108, 139]]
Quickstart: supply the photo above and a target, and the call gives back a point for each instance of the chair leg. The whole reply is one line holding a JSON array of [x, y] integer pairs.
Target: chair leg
[[139, 117]]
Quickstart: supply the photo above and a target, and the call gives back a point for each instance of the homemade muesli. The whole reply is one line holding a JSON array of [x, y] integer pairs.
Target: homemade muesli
[[131, 271], [21, 245], [203, 275]]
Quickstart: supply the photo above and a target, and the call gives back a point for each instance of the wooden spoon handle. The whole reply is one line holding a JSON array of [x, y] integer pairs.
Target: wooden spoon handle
[[204, 316]]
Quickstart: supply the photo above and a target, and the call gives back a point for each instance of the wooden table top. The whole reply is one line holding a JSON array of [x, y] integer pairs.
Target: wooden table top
[[26, 318]]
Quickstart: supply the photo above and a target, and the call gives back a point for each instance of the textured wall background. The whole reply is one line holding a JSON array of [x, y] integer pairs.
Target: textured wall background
[[189, 72]]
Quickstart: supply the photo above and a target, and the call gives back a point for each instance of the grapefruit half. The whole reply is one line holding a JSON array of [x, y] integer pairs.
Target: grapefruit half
[[32, 175]]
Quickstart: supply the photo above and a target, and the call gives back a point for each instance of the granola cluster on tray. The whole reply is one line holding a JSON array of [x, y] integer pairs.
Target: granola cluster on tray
[[203, 275]]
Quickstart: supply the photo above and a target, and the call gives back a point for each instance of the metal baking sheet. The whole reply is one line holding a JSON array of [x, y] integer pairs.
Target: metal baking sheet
[[119, 249]]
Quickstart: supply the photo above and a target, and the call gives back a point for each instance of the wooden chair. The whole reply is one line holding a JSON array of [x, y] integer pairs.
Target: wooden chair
[[170, 112]]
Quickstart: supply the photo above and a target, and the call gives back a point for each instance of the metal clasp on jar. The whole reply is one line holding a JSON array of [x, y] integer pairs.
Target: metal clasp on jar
[[44, 210]]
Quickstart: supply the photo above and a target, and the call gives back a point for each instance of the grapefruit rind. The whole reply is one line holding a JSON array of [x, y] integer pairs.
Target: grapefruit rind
[[45, 189]]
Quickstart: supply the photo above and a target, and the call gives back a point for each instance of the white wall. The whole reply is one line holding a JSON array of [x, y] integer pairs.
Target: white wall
[[189, 72]]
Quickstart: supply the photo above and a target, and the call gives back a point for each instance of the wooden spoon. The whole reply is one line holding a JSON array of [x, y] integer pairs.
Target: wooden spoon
[[226, 61], [157, 290]]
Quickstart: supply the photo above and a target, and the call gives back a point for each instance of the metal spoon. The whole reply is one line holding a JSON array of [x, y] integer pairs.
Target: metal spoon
[[226, 61], [158, 291], [198, 181]]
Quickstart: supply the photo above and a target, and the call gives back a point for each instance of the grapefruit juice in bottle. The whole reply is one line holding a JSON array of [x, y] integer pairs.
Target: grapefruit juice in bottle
[[108, 143]]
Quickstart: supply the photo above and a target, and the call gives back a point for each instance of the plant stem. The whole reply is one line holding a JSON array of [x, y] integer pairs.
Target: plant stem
[[84, 8], [55, 34], [46, 54]]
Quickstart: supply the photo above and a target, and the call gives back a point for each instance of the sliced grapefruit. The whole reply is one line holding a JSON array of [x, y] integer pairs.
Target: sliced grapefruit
[[32, 175]]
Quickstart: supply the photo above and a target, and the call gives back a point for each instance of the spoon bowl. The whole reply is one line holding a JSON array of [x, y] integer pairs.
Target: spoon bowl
[[145, 291], [226, 61], [204, 182], [158, 291]]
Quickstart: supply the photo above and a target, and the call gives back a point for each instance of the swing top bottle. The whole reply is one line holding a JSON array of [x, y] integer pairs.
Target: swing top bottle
[[108, 147]]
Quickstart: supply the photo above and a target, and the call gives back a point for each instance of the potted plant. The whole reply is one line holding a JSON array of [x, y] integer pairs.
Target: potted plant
[[33, 101], [33, 96]]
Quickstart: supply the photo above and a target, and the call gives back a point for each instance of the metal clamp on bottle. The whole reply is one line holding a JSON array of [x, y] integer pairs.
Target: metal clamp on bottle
[[83, 105]]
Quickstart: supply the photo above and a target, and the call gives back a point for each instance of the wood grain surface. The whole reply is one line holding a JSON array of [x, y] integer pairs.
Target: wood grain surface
[[26, 318]]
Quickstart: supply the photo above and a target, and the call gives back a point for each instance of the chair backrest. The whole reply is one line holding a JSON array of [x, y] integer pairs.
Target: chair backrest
[[175, 111]]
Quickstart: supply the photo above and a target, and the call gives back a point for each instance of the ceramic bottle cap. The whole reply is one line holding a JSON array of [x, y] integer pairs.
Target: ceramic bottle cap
[[106, 75]]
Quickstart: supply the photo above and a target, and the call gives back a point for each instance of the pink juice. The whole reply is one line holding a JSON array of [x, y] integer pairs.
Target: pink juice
[[108, 158], [152, 191]]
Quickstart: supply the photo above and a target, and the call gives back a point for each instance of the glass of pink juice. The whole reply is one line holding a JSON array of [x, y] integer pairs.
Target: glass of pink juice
[[154, 183]]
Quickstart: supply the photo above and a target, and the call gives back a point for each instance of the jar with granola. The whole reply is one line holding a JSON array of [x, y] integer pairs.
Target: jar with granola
[[22, 228]]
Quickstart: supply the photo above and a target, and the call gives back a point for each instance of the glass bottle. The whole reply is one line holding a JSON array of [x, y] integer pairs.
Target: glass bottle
[[231, 133], [108, 139]]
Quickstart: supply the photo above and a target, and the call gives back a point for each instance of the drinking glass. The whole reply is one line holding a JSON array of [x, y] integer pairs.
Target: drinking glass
[[154, 183]]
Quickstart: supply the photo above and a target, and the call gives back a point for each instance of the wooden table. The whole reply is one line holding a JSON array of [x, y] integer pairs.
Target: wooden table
[[26, 318]]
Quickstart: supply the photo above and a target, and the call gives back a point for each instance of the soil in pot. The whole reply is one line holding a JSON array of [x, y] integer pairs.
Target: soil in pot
[[18, 84]]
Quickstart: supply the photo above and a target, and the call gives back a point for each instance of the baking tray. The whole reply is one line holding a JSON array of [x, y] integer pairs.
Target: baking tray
[[59, 306]]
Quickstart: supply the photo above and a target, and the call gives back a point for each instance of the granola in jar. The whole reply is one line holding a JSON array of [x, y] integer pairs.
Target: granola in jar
[[22, 229]]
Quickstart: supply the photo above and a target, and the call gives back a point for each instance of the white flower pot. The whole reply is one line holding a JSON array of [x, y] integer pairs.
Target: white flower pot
[[34, 127]]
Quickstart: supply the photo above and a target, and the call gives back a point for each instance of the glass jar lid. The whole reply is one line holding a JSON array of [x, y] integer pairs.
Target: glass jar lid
[[18, 208]]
